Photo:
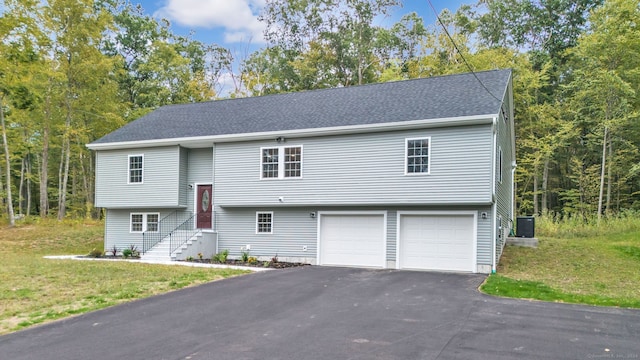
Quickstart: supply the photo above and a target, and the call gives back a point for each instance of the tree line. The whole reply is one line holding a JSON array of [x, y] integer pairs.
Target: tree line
[[72, 71]]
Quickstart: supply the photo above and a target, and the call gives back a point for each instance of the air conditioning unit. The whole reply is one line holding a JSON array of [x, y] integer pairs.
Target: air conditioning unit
[[525, 226]]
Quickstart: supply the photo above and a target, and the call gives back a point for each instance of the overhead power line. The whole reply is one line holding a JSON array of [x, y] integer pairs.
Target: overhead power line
[[460, 53]]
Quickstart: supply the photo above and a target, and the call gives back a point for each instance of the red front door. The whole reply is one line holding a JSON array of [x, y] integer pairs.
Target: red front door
[[203, 207]]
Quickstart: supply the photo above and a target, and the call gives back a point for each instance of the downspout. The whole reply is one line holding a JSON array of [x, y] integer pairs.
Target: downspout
[[512, 135], [513, 199], [494, 209]]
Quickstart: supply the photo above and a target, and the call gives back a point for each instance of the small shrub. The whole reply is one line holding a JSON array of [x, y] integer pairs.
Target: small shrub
[[274, 259], [96, 253], [114, 251], [189, 258], [252, 260], [200, 256], [220, 257], [266, 264], [134, 251], [126, 253], [245, 256]]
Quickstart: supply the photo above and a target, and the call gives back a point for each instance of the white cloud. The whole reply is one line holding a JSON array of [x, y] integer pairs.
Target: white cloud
[[226, 85], [239, 18]]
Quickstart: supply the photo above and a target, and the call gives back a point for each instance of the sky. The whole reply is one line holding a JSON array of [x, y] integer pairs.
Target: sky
[[234, 23]]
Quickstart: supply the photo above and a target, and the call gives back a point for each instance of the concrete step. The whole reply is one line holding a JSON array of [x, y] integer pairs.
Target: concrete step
[[160, 252], [522, 241]]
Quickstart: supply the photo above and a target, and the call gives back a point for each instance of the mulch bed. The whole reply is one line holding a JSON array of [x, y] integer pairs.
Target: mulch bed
[[268, 264], [265, 264]]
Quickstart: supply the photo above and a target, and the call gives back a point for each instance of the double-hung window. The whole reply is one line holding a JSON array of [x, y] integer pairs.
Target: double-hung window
[[264, 222], [293, 161], [136, 166], [270, 163], [418, 154], [281, 162], [141, 222]]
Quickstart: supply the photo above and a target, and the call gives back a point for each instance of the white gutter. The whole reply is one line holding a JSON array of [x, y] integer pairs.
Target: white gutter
[[205, 141], [275, 203], [494, 209]]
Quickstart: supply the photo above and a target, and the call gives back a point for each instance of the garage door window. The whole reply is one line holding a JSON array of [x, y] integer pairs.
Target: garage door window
[[418, 155]]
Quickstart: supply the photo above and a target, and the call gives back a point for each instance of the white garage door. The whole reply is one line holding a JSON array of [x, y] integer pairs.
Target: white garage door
[[352, 240], [437, 242]]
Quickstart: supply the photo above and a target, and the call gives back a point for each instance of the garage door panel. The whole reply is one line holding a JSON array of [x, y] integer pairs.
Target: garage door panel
[[352, 240], [437, 242]]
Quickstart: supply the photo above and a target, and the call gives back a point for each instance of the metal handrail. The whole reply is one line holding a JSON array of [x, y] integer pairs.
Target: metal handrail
[[182, 234], [166, 226]]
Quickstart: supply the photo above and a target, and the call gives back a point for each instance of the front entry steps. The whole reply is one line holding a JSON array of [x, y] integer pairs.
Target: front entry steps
[[160, 252]]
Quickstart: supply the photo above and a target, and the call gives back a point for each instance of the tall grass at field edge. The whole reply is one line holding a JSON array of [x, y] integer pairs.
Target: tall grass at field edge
[[571, 227]]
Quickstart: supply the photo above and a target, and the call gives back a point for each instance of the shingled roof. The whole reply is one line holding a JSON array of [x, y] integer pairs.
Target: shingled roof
[[439, 97]]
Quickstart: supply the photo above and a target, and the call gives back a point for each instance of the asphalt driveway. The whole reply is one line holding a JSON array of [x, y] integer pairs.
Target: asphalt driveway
[[335, 313]]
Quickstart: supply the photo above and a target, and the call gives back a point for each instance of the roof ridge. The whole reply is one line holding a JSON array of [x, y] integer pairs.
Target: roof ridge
[[345, 88]]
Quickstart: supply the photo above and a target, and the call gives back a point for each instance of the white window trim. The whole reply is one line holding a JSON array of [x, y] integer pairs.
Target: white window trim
[[281, 162], [129, 169], [144, 221], [406, 156], [257, 227]]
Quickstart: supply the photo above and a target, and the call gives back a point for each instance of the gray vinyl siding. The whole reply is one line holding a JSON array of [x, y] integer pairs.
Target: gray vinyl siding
[[392, 231], [484, 236], [504, 201], [161, 177], [200, 166], [117, 226], [294, 228], [362, 169], [183, 188]]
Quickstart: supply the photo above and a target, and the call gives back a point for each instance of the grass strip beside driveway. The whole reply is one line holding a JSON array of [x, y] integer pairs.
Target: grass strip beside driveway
[[603, 270], [34, 290]]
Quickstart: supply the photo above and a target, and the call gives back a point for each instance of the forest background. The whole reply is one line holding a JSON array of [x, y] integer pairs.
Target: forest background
[[72, 71]]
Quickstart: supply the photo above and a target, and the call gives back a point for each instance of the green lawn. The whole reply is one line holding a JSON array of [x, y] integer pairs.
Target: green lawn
[[34, 290], [599, 268]]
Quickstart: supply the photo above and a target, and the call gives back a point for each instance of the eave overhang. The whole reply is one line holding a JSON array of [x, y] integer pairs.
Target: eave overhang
[[209, 140]]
